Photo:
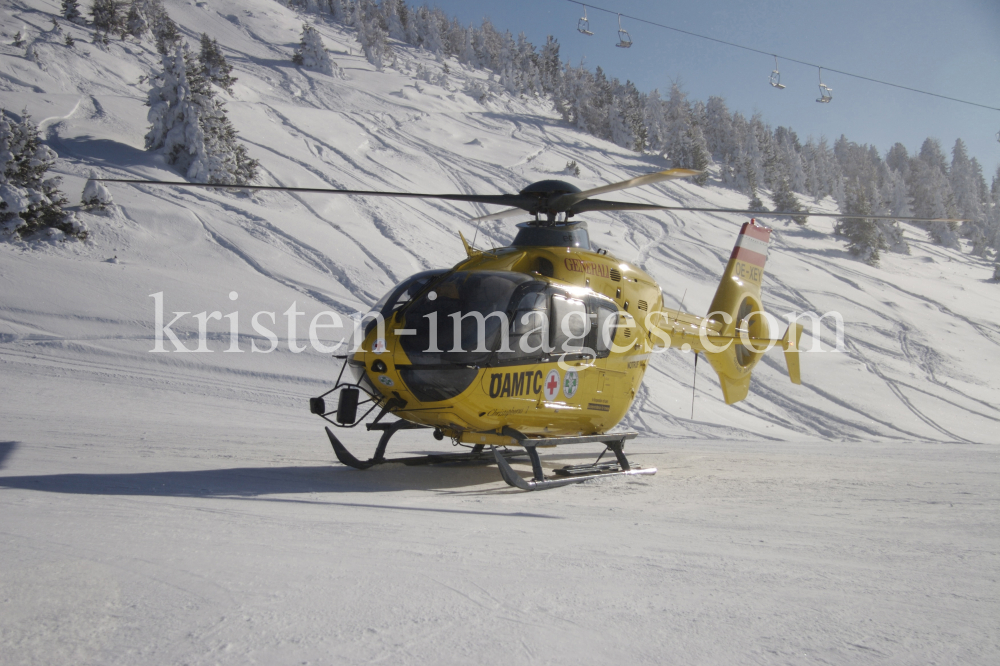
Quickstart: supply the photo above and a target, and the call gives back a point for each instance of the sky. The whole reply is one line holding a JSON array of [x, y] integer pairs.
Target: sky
[[950, 48]]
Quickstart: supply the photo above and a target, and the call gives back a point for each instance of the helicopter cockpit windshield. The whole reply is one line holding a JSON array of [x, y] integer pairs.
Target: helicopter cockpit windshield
[[400, 295], [478, 301]]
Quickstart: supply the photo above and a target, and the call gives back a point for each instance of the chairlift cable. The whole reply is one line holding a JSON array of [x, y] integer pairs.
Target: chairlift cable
[[800, 62]]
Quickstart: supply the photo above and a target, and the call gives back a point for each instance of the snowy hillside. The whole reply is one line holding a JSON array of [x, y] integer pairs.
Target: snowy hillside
[[181, 507]]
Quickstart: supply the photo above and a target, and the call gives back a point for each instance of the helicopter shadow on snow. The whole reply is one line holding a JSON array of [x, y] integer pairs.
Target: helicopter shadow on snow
[[6, 448], [268, 483]]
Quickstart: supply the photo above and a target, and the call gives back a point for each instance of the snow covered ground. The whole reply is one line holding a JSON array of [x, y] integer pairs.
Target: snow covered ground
[[184, 508]]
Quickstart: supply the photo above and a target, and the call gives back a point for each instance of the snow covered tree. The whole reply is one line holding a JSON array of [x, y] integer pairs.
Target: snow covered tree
[[631, 104], [30, 202], [865, 239], [550, 66], [135, 21], [189, 125], [312, 53], [373, 38], [969, 188], [621, 134], [95, 195], [684, 143], [785, 202], [720, 136], [71, 11], [165, 32], [108, 16], [214, 64], [931, 192]]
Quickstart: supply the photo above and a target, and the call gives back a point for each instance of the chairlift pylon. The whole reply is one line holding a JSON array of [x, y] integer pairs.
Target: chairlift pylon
[[583, 25], [825, 92], [775, 78], [624, 40]]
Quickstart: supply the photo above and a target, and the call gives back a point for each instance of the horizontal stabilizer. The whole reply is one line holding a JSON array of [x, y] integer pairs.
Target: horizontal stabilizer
[[791, 345]]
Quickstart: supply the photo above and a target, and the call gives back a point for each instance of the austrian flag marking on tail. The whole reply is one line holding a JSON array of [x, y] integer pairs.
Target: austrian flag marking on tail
[[751, 245], [750, 253]]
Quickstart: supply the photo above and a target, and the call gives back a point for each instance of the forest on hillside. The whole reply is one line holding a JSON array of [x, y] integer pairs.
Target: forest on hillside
[[752, 157]]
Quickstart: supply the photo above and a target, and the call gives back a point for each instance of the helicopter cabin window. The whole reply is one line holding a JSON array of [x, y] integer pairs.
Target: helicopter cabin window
[[605, 328], [583, 326], [528, 326], [400, 295], [536, 334], [569, 326]]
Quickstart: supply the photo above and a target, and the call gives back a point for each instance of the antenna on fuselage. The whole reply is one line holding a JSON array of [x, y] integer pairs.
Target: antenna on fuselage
[[694, 382]]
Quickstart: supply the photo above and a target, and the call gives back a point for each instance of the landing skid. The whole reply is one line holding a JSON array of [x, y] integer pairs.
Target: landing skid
[[570, 475], [476, 456]]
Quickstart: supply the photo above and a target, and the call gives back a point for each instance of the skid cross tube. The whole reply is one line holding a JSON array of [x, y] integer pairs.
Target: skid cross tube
[[613, 442]]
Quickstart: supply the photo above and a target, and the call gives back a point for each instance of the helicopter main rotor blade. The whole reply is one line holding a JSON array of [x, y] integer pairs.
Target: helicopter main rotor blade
[[570, 203], [496, 216], [598, 205], [519, 200], [566, 201]]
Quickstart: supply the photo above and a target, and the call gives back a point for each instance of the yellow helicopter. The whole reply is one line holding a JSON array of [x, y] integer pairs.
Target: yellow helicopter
[[542, 343]]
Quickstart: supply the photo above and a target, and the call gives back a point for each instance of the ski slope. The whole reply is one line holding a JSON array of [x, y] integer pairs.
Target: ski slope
[[184, 507]]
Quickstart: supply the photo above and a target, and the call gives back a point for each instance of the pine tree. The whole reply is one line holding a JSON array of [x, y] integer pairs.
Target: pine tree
[[71, 11], [684, 143], [931, 192], [965, 176], [621, 134], [165, 32], [632, 114], [373, 38], [865, 239], [720, 136], [108, 16], [551, 66], [785, 202], [214, 64], [30, 202], [189, 124], [135, 21], [312, 53]]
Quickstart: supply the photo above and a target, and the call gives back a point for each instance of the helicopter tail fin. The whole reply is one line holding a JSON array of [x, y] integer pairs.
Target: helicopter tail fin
[[737, 311], [745, 270]]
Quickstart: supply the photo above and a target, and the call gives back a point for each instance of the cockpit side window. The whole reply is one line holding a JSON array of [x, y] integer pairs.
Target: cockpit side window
[[528, 326], [400, 295], [569, 326], [604, 314]]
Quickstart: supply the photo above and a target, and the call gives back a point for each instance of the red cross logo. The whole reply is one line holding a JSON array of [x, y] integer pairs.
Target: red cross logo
[[552, 383]]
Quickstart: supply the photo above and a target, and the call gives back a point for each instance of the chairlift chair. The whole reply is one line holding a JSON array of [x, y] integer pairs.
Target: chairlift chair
[[776, 76], [624, 40], [583, 25], [825, 92]]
